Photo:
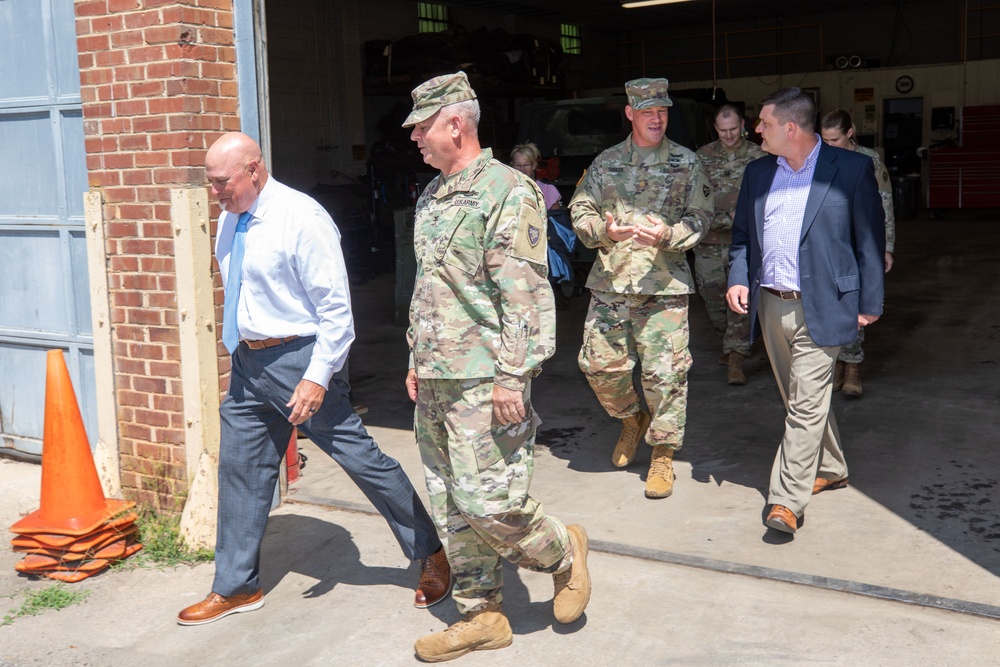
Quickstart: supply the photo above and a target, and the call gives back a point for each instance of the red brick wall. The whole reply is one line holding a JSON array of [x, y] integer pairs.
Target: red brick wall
[[158, 82]]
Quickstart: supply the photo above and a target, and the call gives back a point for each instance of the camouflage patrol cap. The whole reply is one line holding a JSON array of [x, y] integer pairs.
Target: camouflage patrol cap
[[438, 92], [645, 93]]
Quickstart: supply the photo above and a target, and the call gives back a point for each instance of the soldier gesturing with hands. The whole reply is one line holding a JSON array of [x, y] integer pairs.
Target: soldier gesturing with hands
[[642, 204]]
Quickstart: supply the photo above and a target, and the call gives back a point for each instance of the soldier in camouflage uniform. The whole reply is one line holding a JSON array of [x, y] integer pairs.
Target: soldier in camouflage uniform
[[724, 161], [642, 204], [482, 321], [837, 129]]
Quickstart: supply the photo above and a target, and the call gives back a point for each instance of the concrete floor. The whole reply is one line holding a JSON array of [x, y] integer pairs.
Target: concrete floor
[[922, 443], [691, 580]]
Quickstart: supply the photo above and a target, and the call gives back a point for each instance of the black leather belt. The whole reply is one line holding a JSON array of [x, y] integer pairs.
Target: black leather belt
[[267, 342], [786, 295]]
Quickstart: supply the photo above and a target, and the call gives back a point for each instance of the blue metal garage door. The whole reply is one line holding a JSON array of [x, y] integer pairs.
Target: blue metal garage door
[[44, 292]]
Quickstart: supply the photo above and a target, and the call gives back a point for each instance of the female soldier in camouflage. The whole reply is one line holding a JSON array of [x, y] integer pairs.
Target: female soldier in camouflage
[[837, 129]]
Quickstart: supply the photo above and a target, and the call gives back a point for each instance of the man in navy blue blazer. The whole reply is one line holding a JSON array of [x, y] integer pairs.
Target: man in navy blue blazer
[[807, 264]]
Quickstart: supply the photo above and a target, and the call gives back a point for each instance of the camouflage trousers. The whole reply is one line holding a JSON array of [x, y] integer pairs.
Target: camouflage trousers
[[652, 330], [853, 354], [478, 473], [711, 275]]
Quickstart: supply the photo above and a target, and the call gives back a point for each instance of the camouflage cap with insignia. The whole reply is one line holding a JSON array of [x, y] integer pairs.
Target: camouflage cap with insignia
[[645, 93], [438, 92]]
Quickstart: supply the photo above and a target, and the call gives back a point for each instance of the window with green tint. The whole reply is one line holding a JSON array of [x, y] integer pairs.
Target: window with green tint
[[432, 17], [570, 38]]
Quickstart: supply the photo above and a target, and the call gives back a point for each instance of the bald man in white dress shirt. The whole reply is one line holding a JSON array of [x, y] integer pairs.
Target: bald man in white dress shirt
[[288, 325]]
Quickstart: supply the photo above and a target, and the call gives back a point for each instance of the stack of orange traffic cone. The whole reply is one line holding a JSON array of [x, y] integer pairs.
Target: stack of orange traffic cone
[[76, 532]]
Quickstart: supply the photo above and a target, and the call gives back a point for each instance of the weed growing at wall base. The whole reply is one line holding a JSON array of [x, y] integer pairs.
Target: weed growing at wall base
[[161, 542]]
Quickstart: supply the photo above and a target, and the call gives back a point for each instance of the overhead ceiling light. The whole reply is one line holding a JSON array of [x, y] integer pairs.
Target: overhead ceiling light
[[632, 4]]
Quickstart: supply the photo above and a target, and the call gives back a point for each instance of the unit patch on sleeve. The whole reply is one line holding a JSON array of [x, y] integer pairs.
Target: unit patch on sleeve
[[534, 235], [529, 236]]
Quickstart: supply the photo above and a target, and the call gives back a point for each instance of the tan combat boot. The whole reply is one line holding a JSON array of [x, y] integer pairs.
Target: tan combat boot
[[852, 379], [734, 374], [572, 587], [838, 375], [660, 480], [478, 631], [633, 429]]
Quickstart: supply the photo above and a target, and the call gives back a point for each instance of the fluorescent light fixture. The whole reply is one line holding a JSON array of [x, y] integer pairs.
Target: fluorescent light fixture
[[632, 4]]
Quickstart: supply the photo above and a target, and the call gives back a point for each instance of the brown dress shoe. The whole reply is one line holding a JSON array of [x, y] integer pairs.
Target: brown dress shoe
[[435, 580], [215, 607], [781, 518], [828, 484]]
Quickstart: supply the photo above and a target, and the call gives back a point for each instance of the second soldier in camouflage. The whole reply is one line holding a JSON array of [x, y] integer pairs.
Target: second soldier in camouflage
[[643, 203]]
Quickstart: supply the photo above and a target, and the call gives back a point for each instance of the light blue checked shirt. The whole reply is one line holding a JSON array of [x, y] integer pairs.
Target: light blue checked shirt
[[783, 214]]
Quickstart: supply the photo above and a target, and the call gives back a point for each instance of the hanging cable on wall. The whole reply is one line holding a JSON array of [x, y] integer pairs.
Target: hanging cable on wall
[[322, 110], [715, 83]]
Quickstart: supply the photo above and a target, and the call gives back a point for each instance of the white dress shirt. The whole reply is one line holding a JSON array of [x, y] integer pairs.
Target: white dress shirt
[[294, 277], [783, 216]]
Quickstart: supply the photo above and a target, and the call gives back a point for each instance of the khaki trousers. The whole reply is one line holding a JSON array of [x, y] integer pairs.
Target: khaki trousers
[[804, 372]]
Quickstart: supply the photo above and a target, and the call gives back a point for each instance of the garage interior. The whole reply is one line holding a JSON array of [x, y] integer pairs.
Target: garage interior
[[919, 522]]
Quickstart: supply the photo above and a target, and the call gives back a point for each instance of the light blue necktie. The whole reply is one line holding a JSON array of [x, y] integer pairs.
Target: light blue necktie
[[230, 328]]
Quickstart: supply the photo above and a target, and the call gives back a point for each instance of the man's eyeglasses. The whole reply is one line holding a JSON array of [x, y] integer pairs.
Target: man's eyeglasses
[[220, 183]]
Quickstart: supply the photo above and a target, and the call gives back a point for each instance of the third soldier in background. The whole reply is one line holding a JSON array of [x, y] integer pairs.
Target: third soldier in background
[[724, 161], [643, 204]]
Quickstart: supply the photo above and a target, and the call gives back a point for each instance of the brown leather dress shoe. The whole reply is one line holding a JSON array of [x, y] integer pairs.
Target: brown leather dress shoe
[[781, 518], [435, 580], [828, 484], [215, 607]]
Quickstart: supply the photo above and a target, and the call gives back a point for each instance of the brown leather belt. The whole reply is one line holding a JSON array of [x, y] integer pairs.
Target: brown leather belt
[[267, 342], [787, 295]]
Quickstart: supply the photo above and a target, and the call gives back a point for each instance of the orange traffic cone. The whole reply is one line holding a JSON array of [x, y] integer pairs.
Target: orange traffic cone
[[83, 544], [43, 564], [72, 501]]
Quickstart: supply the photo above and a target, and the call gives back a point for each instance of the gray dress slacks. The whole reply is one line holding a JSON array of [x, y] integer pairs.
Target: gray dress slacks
[[255, 435]]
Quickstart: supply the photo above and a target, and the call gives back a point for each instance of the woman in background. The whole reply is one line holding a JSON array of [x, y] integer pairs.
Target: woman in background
[[561, 237], [524, 158], [837, 129]]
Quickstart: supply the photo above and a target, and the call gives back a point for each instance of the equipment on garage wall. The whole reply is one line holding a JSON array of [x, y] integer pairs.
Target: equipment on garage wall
[[491, 54], [966, 176]]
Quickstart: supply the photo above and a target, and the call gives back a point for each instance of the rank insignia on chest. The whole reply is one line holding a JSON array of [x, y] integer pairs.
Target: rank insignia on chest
[[706, 191], [534, 235], [727, 173]]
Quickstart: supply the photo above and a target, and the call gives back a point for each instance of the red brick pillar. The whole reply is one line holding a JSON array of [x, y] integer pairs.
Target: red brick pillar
[[158, 82]]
